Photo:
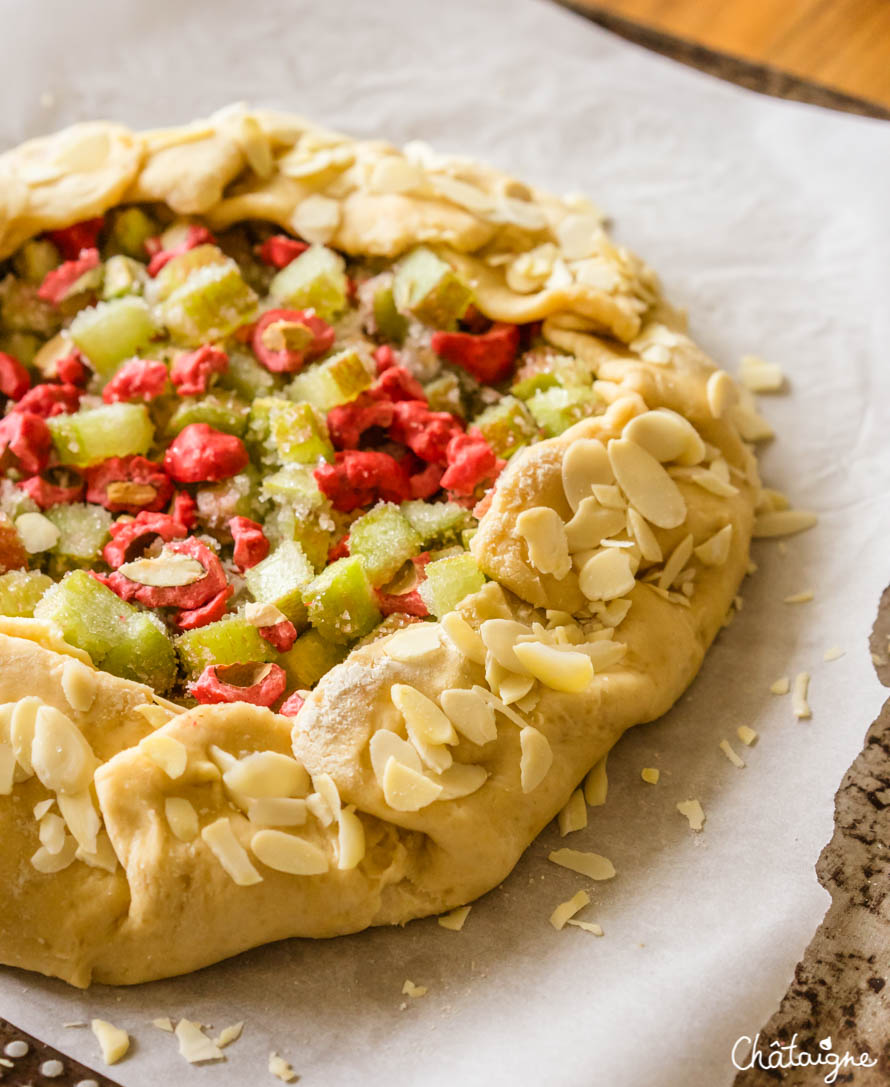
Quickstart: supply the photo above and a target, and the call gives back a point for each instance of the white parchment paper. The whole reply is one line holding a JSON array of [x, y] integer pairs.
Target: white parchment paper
[[769, 221]]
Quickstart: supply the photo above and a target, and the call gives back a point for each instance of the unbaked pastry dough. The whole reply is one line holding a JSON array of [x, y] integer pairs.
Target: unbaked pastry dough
[[187, 849]]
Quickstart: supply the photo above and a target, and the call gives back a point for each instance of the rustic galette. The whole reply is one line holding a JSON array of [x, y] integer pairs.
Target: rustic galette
[[354, 502]]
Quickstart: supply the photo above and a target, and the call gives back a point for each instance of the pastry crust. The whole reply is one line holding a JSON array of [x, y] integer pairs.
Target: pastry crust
[[147, 904]]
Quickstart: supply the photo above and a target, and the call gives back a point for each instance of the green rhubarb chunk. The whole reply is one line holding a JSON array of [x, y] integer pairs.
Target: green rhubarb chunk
[[436, 522], [341, 601], [448, 581], [36, 259], [238, 496], [543, 368], [337, 380], [390, 324], [246, 377], [444, 394], [309, 658], [23, 346], [178, 269], [131, 229], [119, 637], [280, 580], [556, 409], [428, 289], [123, 276], [22, 311], [506, 426], [83, 531], [20, 590], [315, 280], [112, 331], [113, 430], [222, 410], [228, 641], [384, 540], [210, 304], [289, 433], [294, 485]]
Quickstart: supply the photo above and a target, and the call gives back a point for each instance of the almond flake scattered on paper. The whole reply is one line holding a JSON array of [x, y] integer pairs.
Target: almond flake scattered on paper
[[412, 990], [194, 1044], [727, 749], [596, 785], [279, 1067], [163, 1024], [587, 926], [799, 696], [833, 654], [593, 865], [650, 774], [781, 685], [800, 598], [566, 910], [229, 1034], [693, 812], [747, 735], [455, 919]]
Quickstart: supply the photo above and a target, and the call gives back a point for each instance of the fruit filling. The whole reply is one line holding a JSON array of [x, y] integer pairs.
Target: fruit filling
[[229, 456]]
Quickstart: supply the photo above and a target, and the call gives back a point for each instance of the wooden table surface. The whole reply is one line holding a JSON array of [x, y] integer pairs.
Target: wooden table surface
[[841, 44]]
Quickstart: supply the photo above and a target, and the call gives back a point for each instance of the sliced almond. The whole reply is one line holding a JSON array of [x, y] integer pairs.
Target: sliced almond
[[277, 811], [647, 485], [127, 493], [461, 779], [170, 754], [609, 496], [799, 704], [267, 773], [606, 575], [499, 706], [414, 642], [596, 785], [721, 392], [603, 654], [650, 774], [221, 840], [81, 818], [423, 718], [79, 685], [350, 839], [728, 750], [21, 730], [693, 812], [49, 863], [592, 865], [385, 745], [465, 639], [585, 463], [263, 615], [760, 376], [499, 637], [573, 816], [406, 790], [592, 524], [181, 818], [113, 1041], [715, 550], [706, 479], [287, 853], [783, 523], [545, 535], [7, 768], [37, 532], [61, 757], [170, 569], [639, 529], [560, 669], [470, 715], [456, 919], [194, 1044], [677, 561], [667, 436], [536, 758], [565, 910], [51, 833]]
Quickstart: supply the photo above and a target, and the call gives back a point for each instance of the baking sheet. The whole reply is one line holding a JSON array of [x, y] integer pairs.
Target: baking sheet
[[769, 221]]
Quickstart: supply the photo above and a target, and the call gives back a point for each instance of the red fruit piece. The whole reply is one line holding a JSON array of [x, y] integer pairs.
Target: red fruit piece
[[199, 454], [425, 483], [13, 555], [196, 235], [280, 636], [130, 539], [14, 378], [49, 400], [280, 250], [192, 370], [292, 705], [185, 509], [471, 460], [340, 550], [489, 357], [360, 478], [251, 545], [426, 433], [129, 485], [72, 369], [47, 494], [397, 383], [137, 379], [347, 422], [407, 603], [186, 597], [232, 683], [384, 357], [284, 340], [215, 608], [70, 240], [59, 281], [26, 436]]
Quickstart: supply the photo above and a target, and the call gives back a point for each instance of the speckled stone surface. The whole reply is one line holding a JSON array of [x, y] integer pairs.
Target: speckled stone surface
[[841, 987], [27, 1062]]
